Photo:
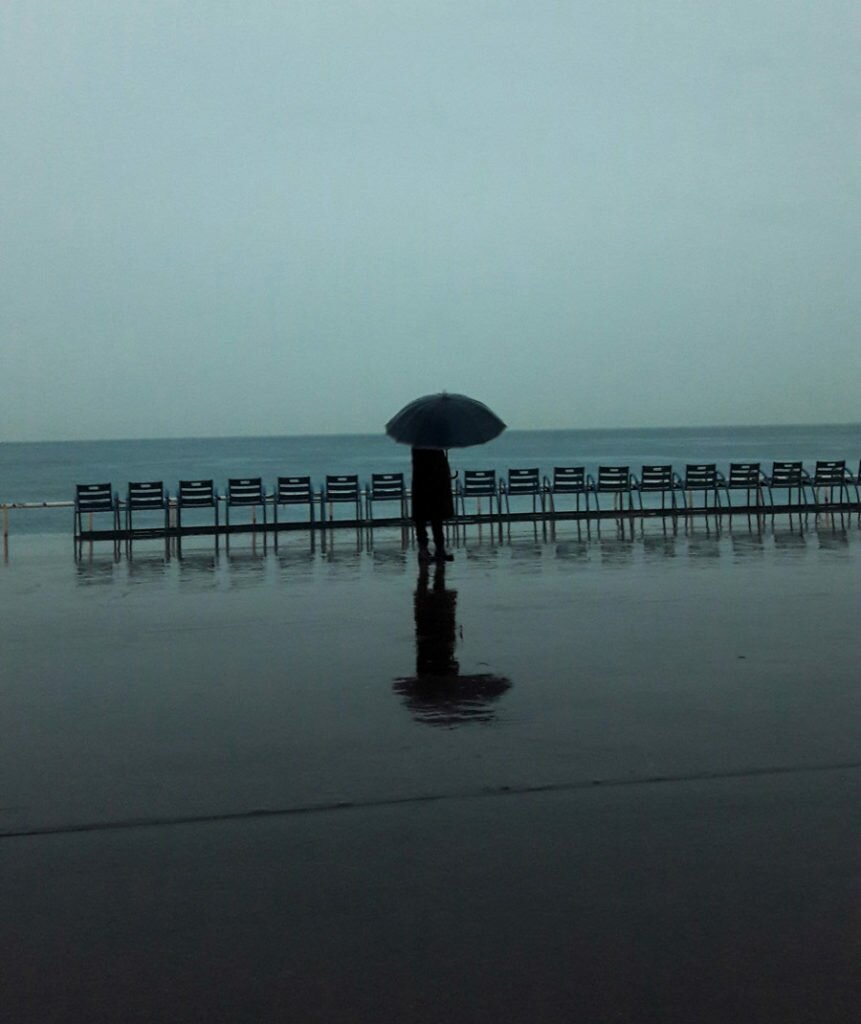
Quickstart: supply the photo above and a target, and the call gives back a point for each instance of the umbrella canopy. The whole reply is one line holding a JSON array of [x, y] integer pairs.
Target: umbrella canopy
[[444, 421]]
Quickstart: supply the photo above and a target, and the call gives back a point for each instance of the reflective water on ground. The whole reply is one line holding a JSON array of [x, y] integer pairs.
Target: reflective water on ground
[[148, 685]]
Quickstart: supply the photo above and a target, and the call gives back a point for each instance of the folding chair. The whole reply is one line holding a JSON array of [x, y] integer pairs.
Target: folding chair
[[91, 499], [522, 483], [568, 480], [615, 480], [146, 496], [386, 487], [293, 490], [194, 494], [477, 484], [657, 480], [244, 492], [342, 489]]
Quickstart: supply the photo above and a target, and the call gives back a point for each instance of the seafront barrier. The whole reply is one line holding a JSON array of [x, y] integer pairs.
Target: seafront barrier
[[149, 509]]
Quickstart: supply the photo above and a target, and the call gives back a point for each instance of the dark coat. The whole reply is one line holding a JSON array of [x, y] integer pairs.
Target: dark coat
[[431, 485]]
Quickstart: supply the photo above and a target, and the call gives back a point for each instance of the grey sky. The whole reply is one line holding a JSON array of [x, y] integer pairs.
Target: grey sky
[[280, 217]]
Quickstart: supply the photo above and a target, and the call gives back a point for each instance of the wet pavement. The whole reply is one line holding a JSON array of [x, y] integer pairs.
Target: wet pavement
[[605, 776]]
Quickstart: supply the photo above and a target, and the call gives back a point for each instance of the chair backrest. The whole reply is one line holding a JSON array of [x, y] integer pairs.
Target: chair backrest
[[614, 478], [524, 481], [94, 498], [196, 494], [785, 474], [829, 473], [342, 488], [145, 494], [387, 486], [478, 482], [568, 479], [246, 490], [656, 478], [700, 475], [293, 490], [743, 475]]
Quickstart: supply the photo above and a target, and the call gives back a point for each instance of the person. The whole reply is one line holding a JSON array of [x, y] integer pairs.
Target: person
[[432, 502]]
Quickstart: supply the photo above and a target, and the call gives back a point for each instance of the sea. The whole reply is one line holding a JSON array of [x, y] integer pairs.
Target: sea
[[35, 472]]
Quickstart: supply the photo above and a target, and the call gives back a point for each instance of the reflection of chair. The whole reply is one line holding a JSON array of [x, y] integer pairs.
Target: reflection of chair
[[615, 480], [787, 476], [196, 494], [568, 480], [703, 477], [91, 499], [830, 475], [386, 487], [522, 483], [657, 480], [146, 496], [477, 484], [747, 477], [293, 490], [340, 489], [244, 492]]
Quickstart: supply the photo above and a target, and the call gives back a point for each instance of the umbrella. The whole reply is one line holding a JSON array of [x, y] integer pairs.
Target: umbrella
[[444, 421]]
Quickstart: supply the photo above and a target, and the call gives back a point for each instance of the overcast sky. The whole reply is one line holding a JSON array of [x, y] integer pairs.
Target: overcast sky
[[293, 216]]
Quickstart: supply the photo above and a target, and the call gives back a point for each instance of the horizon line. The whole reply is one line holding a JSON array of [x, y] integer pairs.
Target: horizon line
[[382, 434]]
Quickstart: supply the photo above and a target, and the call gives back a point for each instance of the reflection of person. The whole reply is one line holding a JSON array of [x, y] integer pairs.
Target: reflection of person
[[439, 694], [436, 628], [432, 502]]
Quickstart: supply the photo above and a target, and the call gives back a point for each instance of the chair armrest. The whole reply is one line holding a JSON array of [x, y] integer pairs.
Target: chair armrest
[[590, 483], [720, 478], [677, 481], [634, 483]]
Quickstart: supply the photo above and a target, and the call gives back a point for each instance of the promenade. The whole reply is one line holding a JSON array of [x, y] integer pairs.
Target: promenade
[[232, 789]]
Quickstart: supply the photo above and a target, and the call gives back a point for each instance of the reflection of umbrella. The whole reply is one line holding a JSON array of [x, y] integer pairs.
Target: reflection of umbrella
[[451, 701], [444, 421]]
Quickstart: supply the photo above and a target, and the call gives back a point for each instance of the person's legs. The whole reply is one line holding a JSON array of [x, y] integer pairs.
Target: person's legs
[[439, 540], [422, 539], [438, 534]]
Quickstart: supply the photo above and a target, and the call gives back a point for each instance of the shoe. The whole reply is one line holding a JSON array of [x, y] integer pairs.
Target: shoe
[[444, 556], [424, 554]]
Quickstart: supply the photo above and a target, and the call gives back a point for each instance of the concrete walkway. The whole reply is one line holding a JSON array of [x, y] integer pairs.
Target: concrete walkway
[[705, 901], [651, 816]]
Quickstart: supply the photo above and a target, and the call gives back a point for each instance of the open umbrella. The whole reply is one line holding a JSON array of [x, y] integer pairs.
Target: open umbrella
[[444, 421]]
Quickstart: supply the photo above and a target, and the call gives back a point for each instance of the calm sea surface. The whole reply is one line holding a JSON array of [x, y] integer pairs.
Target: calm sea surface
[[49, 471]]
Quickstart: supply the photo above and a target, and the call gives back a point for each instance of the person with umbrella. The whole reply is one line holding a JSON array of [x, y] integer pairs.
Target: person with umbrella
[[432, 501], [431, 425]]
